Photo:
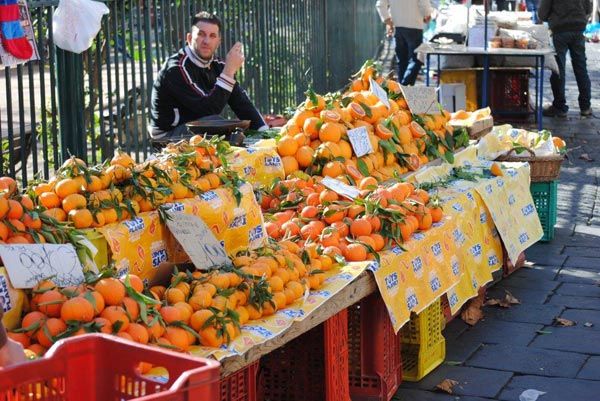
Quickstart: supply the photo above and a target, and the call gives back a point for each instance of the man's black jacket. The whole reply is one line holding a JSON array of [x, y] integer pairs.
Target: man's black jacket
[[565, 15], [187, 88]]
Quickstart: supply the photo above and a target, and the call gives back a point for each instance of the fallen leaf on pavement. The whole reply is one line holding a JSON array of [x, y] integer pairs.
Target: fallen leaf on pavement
[[447, 385], [507, 302], [497, 302], [586, 157], [559, 321], [472, 314], [588, 324], [511, 299]]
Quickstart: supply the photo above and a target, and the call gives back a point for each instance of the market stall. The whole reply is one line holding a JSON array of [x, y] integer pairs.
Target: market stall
[[472, 38], [365, 211]]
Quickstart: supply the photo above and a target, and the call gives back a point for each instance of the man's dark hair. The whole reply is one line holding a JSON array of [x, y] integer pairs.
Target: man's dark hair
[[204, 16]]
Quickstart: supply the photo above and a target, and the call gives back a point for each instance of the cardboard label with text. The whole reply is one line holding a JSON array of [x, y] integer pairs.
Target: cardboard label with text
[[197, 240]]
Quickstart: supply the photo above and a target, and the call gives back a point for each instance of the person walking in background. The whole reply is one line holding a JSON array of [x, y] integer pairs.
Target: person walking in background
[[405, 19], [567, 21]]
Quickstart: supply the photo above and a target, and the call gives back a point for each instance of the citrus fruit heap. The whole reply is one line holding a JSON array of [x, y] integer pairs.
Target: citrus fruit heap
[[316, 138], [96, 196], [313, 216], [21, 221], [205, 308]]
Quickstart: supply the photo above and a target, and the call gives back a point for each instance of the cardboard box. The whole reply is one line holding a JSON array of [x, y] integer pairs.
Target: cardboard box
[[478, 128], [453, 96]]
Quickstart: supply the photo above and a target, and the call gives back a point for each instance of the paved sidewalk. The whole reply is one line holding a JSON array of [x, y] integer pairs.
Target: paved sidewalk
[[516, 349]]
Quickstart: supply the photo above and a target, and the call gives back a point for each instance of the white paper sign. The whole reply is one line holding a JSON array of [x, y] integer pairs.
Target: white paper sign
[[341, 188], [27, 265], [196, 239], [378, 91], [420, 99], [359, 139]]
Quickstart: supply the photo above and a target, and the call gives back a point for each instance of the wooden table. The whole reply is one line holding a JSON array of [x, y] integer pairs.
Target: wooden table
[[360, 288]]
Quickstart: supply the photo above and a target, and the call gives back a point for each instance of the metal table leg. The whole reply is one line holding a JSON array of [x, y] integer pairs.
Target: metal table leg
[[426, 70], [537, 87], [541, 104], [439, 70], [484, 89]]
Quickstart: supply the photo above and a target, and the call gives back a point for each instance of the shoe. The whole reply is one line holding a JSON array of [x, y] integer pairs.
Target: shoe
[[551, 111], [586, 113]]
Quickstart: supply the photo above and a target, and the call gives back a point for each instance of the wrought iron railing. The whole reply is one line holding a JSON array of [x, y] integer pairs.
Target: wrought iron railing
[[92, 103]]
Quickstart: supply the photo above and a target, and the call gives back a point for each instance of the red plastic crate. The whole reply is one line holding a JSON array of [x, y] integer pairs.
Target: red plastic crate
[[509, 93], [98, 367], [312, 367], [241, 385], [375, 364]]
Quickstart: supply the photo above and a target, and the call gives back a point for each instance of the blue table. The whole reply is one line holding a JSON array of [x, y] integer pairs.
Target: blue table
[[461, 50]]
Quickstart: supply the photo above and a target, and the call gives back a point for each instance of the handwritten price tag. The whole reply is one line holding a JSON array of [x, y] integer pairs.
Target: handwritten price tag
[[359, 138], [341, 188], [196, 239], [378, 91], [27, 265], [420, 99]]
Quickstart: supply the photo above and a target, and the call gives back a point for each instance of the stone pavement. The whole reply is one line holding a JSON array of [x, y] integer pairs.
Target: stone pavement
[[516, 349]]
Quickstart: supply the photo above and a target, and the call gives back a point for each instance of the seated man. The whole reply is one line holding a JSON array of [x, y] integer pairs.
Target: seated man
[[193, 83]]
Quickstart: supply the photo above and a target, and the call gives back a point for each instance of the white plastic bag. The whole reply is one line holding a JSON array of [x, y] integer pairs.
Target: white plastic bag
[[76, 23]]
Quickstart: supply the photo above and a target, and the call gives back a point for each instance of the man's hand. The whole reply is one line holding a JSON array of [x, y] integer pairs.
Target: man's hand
[[11, 352], [389, 31], [234, 60], [389, 27]]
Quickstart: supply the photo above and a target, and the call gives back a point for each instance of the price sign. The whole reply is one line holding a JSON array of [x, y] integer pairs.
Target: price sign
[[420, 99], [27, 265], [378, 91], [359, 139], [341, 188], [196, 239]]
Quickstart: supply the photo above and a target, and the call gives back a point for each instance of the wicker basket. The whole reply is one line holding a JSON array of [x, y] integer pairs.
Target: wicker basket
[[543, 168]]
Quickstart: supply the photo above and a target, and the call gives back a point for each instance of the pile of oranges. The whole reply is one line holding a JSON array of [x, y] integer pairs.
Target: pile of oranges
[[316, 140], [319, 220], [97, 196], [205, 308], [21, 221]]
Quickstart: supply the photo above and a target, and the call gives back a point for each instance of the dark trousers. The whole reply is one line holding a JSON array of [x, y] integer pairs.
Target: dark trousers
[[574, 43], [407, 40], [503, 5]]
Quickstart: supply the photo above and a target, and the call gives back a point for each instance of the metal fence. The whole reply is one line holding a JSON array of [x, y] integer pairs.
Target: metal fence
[[92, 103]]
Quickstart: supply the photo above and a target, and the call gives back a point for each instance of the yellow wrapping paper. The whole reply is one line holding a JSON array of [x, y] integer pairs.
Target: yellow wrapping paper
[[471, 251], [479, 250], [410, 281], [512, 209], [12, 301], [141, 244], [259, 166]]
